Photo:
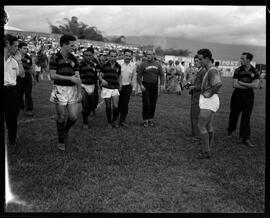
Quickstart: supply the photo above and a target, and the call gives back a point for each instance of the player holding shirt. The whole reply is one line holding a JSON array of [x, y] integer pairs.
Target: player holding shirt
[[66, 93]]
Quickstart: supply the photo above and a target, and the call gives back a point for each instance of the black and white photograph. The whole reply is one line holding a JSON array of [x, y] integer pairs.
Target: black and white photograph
[[134, 108]]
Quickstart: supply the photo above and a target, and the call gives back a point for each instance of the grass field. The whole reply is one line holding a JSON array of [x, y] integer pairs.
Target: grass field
[[138, 169]]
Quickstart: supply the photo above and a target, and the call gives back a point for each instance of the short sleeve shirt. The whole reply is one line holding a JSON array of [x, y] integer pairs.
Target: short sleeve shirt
[[246, 76], [64, 67]]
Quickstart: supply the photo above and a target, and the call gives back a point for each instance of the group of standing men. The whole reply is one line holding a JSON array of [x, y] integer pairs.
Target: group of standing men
[[77, 83]]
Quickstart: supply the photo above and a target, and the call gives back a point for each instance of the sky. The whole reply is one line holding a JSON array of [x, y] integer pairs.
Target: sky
[[241, 25]]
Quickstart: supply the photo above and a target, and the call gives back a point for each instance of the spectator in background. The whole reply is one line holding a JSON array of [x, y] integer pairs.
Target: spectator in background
[[42, 62], [183, 70], [217, 66], [25, 92]]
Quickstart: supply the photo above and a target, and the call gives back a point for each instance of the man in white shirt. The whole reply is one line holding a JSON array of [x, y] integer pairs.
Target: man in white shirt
[[11, 71], [128, 73]]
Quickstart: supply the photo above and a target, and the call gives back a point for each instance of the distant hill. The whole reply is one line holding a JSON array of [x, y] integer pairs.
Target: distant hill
[[220, 51]]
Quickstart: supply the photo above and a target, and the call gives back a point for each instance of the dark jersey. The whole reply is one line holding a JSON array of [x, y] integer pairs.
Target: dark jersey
[[64, 67], [27, 63], [246, 76], [88, 72], [111, 75]]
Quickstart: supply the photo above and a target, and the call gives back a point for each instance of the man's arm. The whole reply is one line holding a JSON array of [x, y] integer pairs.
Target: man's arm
[[161, 74], [133, 78], [253, 85], [216, 84], [237, 85]]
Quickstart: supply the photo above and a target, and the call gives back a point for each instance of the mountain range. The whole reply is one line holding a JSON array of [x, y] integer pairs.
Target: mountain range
[[219, 51]]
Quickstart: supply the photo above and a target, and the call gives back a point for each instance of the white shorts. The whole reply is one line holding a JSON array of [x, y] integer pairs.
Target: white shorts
[[108, 93], [89, 88], [211, 103], [64, 95]]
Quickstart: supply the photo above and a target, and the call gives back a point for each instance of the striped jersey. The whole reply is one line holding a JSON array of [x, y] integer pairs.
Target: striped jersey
[[111, 75], [64, 67], [89, 72]]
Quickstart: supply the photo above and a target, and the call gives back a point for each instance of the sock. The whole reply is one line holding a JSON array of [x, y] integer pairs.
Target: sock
[[69, 124], [85, 118], [205, 142], [109, 114], [211, 138], [60, 131], [115, 113]]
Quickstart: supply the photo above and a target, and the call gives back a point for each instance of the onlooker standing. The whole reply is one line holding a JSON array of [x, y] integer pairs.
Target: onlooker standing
[[11, 71], [149, 72], [245, 79]]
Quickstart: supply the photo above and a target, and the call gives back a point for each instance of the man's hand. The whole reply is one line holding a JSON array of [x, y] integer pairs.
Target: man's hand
[[142, 88], [76, 80], [104, 83], [206, 94]]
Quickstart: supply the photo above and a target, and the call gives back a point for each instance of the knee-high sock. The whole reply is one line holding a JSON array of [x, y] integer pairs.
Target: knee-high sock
[[205, 142], [69, 124], [109, 114], [60, 131], [115, 113], [211, 138]]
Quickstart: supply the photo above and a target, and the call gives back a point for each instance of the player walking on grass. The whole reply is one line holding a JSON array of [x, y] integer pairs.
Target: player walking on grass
[[148, 74], [110, 76], [128, 73], [245, 79], [89, 75], [208, 101], [66, 93]]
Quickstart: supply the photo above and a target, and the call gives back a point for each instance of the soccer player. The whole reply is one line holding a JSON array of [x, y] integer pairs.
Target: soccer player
[[149, 73], [128, 73], [110, 74], [11, 71], [25, 92], [89, 75], [195, 91], [208, 101], [245, 79], [66, 93]]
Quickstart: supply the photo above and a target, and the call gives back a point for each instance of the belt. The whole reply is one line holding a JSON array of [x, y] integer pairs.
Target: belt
[[9, 86]]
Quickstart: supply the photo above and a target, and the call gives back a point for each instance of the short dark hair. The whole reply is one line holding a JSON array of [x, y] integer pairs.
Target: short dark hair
[[182, 62], [196, 57], [217, 63], [127, 50], [206, 53], [89, 49], [21, 44], [112, 51], [10, 39], [65, 39], [248, 55]]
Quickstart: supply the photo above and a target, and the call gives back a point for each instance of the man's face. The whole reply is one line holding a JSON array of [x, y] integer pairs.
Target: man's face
[[150, 55], [127, 56], [244, 60], [70, 47], [112, 57], [14, 48], [202, 60], [23, 50], [87, 55], [197, 63]]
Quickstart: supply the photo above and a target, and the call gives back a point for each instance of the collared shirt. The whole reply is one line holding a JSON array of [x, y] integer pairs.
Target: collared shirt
[[65, 67], [128, 72], [11, 71], [247, 76]]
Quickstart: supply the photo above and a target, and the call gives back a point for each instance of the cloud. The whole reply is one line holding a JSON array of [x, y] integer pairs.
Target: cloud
[[230, 24]]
